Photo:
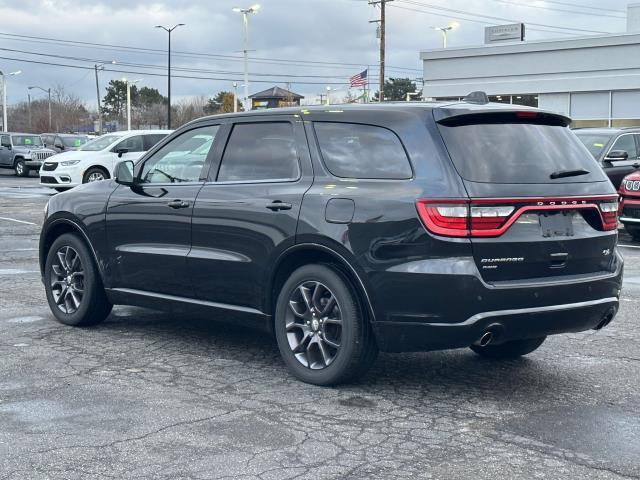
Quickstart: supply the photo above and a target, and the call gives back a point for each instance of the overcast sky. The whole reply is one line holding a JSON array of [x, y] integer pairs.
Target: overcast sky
[[292, 30]]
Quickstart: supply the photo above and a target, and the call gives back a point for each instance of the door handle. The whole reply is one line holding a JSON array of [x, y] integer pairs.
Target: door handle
[[178, 204], [279, 205]]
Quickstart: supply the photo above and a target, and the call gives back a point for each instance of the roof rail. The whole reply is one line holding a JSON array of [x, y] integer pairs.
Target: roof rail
[[478, 97]]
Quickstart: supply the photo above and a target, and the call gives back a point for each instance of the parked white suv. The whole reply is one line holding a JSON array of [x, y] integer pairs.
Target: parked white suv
[[96, 159]]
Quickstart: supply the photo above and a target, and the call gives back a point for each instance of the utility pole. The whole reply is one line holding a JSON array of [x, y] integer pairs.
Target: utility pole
[[99, 107], [382, 26], [29, 100], [235, 97], [322, 96]]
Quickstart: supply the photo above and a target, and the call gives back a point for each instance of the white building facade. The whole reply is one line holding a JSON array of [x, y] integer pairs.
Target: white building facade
[[595, 80]]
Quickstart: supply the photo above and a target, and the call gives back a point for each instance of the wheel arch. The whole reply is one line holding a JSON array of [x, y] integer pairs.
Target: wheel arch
[[57, 228], [307, 253], [16, 158]]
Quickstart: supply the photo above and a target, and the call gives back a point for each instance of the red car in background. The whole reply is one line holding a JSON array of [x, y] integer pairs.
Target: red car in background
[[630, 204]]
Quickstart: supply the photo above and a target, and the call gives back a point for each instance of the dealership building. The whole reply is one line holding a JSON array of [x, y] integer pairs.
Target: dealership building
[[593, 79]]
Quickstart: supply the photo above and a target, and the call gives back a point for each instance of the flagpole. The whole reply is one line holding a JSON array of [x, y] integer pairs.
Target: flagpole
[[366, 89]]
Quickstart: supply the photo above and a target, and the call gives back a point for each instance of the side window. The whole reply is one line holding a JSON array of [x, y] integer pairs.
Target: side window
[[152, 139], [626, 143], [5, 140], [182, 159], [362, 151], [132, 144], [263, 151]]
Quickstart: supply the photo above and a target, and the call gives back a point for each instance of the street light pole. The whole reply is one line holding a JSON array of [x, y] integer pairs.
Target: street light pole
[[245, 26], [444, 31], [235, 97], [48, 92], [129, 100], [169, 30], [4, 98]]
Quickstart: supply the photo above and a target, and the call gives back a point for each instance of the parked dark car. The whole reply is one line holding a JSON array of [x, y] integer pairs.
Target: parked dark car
[[22, 152], [63, 142], [617, 150], [345, 230], [630, 204]]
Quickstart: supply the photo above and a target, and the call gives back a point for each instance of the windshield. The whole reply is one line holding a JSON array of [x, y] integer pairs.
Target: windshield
[[595, 142], [101, 143], [519, 153], [26, 140], [74, 141]]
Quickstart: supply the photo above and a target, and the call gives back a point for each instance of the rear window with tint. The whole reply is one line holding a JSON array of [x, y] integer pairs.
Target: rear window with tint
[[518, 153], [362, 151]]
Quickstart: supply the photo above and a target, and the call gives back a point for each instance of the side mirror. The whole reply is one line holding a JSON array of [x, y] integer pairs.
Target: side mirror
[[7, 145], [124, 173], [121, 151], [617, 155], [59, 145]]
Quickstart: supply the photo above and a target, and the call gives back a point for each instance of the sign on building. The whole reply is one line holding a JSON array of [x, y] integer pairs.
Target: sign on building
[[504, 33]]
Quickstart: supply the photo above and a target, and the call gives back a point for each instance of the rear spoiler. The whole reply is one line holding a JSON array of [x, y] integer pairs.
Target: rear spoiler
[[458, 115]]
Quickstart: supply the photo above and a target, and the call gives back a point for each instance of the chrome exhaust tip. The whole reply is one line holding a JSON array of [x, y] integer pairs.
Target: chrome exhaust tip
[[485, 339]]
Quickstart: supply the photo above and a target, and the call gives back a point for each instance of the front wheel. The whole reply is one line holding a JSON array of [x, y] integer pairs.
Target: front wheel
[[509, 350], [633, 231], [21, 169], [73, 284], [94, 175], [322, 332]]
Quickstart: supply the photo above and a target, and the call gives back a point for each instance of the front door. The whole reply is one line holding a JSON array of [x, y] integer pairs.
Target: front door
[[6, 154], [247, 214], [149, 224]]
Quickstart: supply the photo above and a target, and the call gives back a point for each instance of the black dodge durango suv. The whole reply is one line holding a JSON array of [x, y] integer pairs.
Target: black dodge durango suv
[[346, 230]]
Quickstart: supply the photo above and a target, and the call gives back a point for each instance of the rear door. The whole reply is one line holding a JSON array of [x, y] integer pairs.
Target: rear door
[[618, 169], [540, 206], [247, 213]]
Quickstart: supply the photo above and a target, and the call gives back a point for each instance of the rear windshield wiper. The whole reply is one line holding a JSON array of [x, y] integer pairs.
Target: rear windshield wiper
[[569, 173]]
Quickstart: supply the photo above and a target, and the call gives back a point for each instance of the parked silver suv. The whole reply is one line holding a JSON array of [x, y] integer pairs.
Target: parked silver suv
[[23, 152]]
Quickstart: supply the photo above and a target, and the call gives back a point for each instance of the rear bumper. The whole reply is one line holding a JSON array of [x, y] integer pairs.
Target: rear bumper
[[505, 325], [457, 309]]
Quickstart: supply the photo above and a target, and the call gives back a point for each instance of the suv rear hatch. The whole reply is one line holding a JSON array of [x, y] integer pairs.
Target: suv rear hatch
[[540, 208]]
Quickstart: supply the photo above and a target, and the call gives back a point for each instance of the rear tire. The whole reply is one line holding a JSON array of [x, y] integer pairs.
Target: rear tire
[[73, 285], [323, 334], [21, 169], [509, 350], [634, 232]]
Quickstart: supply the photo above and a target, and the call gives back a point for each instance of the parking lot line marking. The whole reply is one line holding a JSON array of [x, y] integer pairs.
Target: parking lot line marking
[[16, 220], [628, 246]]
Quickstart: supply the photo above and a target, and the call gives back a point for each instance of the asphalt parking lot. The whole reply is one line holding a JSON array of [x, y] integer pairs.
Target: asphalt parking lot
[[153, 395]]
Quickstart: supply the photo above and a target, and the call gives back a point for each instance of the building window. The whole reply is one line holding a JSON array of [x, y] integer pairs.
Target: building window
[[526, 100]]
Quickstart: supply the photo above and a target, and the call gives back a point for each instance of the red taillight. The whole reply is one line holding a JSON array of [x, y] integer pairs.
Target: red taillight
[[493, 217], [449, 220], [609, 215]]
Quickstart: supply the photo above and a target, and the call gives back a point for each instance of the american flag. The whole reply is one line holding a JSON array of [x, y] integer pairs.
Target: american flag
[[359, 80]]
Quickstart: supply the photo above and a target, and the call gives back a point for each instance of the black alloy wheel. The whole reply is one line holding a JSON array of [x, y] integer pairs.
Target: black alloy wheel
[[323, 334]]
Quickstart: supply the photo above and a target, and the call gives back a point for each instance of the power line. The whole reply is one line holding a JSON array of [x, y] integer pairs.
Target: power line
[[502, 19], [163, 67], [481, 22], [191, 77], [557, 2], [542, 7], [220, 57]]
